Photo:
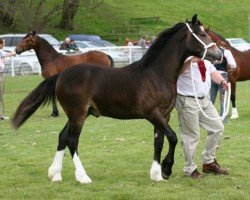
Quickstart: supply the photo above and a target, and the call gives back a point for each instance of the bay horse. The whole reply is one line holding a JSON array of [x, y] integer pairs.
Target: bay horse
[[242, 71], [53, 62], [145, 89]]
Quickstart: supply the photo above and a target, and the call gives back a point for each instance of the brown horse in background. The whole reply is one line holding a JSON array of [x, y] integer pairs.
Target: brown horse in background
[[145, 89], [53, 62], [242, 71]]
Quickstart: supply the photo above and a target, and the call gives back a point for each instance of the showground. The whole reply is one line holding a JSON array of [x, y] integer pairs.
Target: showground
[[116, 153]]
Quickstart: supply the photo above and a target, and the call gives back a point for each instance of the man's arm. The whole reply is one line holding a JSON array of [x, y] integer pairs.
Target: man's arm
[[217, 78]]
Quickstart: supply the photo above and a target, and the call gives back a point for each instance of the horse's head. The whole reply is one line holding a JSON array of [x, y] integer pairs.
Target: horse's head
[[27, 43], [199, 43]]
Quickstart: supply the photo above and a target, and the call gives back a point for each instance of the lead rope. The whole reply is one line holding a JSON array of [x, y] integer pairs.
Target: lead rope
[[226, 101]]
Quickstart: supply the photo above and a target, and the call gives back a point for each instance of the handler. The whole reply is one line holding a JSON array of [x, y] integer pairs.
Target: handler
[[191, 118]]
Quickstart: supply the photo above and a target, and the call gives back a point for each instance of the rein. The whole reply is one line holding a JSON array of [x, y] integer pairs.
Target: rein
[[204, 45], [225, 102]]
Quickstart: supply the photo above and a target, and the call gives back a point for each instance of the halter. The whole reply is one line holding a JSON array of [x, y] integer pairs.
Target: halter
[[204, 45]]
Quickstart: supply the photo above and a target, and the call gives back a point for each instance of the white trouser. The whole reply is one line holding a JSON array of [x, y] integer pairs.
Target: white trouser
[[190, 121]]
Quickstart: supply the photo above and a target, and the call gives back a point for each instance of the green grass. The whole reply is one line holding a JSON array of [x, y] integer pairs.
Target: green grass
[[229, 18], [117, 155]]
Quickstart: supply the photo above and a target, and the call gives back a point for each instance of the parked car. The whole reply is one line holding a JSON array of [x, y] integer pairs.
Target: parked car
[[24, 64], [92, 38], [27, 62], [87, 44], [11, 40], [238, 43]]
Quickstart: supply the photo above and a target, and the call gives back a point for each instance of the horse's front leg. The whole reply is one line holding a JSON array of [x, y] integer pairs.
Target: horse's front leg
[[162, 129], [168, 161], [155, 171]]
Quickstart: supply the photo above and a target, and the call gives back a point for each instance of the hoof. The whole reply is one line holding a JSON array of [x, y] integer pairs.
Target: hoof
[[56, 178], [234, 117], [54, 115], [155, 172], [164, 176], [166, 172], [235, 114], [54, 175], [83, 178]]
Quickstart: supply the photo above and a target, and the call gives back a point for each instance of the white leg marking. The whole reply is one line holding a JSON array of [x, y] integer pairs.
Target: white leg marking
[[54, 172], [155, 172], [80, 172], [235, 114]]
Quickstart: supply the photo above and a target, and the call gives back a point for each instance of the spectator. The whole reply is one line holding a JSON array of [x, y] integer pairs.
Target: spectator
[[73, 46], [2, 56], [142, 42], [128, 42], [227, 61], [65, 45]]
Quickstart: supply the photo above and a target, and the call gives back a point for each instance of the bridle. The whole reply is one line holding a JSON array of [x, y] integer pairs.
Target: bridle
[[33, 40], [206, 47], [227, 94]]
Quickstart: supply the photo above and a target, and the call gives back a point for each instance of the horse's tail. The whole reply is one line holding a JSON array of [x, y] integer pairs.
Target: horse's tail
[[44, 93], [111, 60]]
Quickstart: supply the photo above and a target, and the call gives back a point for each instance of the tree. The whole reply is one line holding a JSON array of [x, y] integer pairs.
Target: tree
[[7, 12], [70, 8], [36, 15], [68, 13]]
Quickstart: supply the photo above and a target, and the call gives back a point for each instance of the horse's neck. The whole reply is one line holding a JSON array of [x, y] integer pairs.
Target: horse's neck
[[45, 53], [237, 53], [169, 63]]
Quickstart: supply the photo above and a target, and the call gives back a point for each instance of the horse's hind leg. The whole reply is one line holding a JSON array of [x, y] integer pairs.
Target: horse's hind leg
[[74, 134], [54, 172], [235, 114]]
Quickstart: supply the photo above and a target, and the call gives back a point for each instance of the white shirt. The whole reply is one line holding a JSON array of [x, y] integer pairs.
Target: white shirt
[[230, 59], [184, 83], [2, 56]]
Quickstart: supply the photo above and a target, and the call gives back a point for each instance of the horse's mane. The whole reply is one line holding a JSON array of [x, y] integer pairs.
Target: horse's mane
[[45, 42], [218, 35], [159, 44]]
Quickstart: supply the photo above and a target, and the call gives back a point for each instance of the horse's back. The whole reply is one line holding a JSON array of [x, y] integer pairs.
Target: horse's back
[[105, 90], [98, 58]]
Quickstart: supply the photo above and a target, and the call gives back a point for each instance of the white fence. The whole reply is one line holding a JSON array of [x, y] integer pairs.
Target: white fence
[[27, 63]]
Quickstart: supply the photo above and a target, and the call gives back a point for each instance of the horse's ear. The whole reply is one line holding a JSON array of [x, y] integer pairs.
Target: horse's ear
[[194, 19], [34, 32]]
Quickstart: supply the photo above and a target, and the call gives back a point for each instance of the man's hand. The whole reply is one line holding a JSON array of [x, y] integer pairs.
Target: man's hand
[[225, 85]]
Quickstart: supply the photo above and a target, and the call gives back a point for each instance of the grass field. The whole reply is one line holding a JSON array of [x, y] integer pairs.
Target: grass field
[[117, 156], [227, 17]]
